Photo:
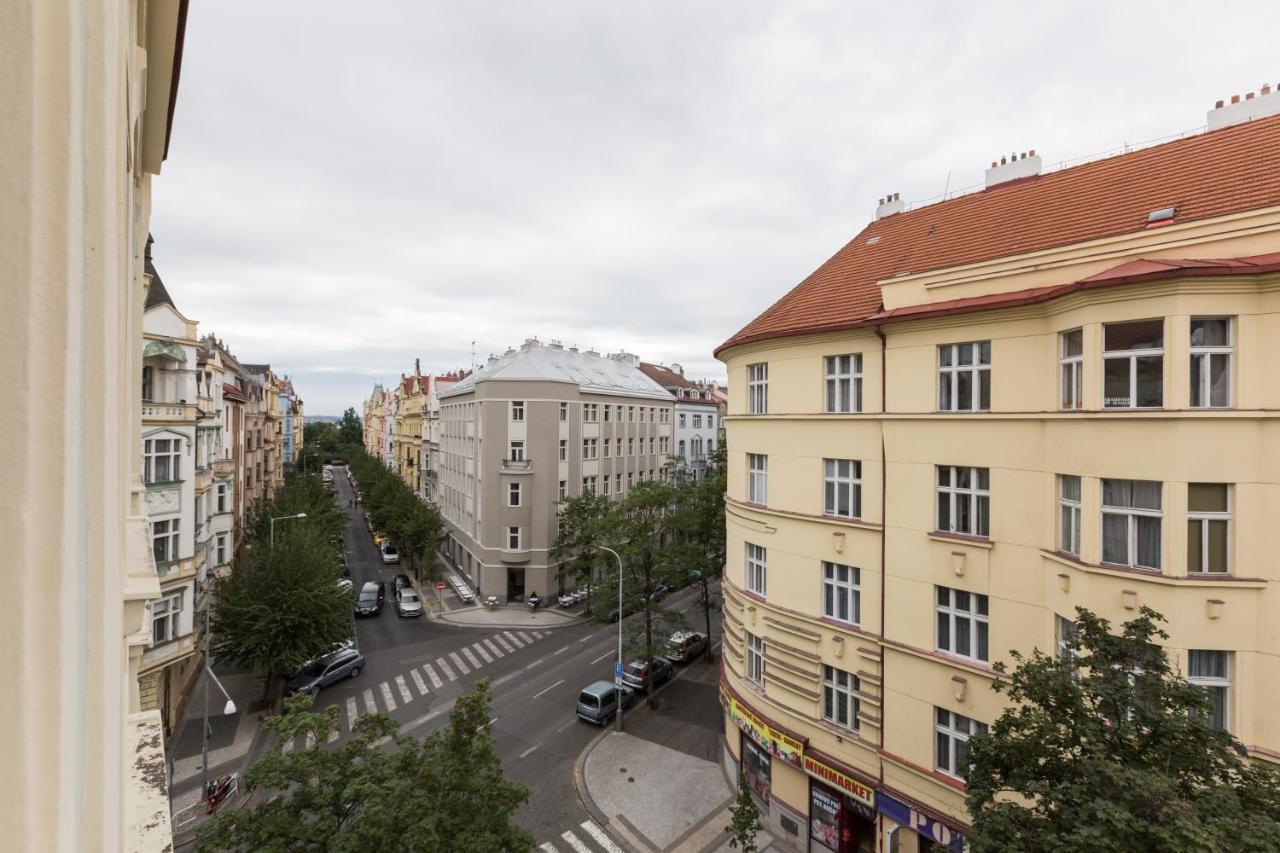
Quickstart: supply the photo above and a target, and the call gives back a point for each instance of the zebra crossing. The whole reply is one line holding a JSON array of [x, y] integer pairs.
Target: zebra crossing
[[571, 841], [401, 690]]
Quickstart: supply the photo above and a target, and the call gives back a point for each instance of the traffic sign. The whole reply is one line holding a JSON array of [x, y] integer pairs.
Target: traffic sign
[[440, 585], [617, 669], [617, 681]]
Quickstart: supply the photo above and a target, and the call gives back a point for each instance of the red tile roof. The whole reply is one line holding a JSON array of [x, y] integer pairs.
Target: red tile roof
[[665, 376], [1211, 174]]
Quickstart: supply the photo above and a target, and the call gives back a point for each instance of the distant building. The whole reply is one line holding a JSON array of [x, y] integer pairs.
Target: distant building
[[696, 413]]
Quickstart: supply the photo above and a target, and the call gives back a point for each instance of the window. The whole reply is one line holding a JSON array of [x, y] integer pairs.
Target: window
[[161, 460], [650, 445], [564, 489], [1210, 362], [1072, 360], [757, 388], [148, 383], [606, 486], [1131, 523], [680, 446], [606, 414], [756, 569], [517, 410], [630, 480], [1064, 634], [222, 497], [164, 540], [964, 377], [664, 416], [631, 413], [588, 485], [963, 500], [221, 549], [1211, 670], [953, 733], [1208, 527], [841, 592], [711, 421], [843, 375], [697, 421], [962, 623], [757, 477], [590, 412], [606, 449], [564, 450], [589, 448], [755, 658], [684, 420], [564, 411], [513, 538], [513, 494], [617, 483], [1133, 365], [166, 615], [842, 487], [840, 697], [1069, 514], [515, 451], [631, 447]]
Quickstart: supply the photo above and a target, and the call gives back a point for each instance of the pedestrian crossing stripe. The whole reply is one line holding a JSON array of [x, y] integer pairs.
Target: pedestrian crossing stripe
[[502, 641], [512, 637], [480, 650], [457, 661], [444, 667], [352, 712], [548, 848], [369, 704], [431, 673], [599, 835], [525, 637], [404, 689], [386, 696], [467, 653], [578, 845], [573, 842], [418, 682], [493, 647]]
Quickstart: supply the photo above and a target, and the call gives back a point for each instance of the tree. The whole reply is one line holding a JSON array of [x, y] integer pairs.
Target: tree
[[744, 823], [1106, 748], [640, 527], [350, 429], [700, 530], [445, 792], [581, 528]]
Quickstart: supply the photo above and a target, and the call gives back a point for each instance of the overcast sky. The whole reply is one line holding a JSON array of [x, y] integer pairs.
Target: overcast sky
[[352, 186]]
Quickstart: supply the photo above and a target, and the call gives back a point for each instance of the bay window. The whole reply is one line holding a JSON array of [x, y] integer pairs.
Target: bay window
[[1133, 365], [1131, 514]]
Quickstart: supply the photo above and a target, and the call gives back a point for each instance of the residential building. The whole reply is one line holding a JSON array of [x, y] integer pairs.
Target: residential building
[[290, 406], [527, 430], [217, 455], [272, 421], [976, 417], [374, 418], [407, 439], [697, 416], [81, 147], [429, 464]]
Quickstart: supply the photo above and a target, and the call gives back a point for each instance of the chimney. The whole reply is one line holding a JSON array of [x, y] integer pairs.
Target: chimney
[[676, 368], [889, 205], [1016, 166], [625, 357], [530, 343], [556, 345], [591, 353], [417, 367], [1239, 110]]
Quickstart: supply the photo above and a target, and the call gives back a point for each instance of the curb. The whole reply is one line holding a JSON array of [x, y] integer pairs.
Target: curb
[[443, 618]]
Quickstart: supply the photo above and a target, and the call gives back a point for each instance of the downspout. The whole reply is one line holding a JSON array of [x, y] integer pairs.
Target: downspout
[[884, 532]]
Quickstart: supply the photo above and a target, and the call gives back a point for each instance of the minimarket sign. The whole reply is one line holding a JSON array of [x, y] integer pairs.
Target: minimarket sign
[[834, 777]]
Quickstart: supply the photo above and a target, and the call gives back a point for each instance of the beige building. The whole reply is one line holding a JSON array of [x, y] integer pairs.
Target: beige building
[[527, 430], [89, 95], [976, 417]]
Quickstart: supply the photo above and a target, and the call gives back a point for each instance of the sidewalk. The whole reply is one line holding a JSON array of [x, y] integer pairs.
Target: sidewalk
[[512, 616]]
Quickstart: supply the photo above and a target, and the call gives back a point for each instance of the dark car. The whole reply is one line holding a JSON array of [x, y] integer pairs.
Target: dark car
[[643, 677], [400, 582], [660, 591], [327, 669], [369, 603]]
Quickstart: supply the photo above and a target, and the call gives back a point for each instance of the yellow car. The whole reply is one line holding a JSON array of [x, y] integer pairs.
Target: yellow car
[[379, 537]]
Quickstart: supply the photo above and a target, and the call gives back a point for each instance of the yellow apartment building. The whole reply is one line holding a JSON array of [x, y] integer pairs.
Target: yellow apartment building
[[407, 439], [976, 417]]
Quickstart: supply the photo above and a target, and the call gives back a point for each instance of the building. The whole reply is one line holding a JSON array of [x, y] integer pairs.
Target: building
[[696, 413], [81, 150], [377, 427], [976, 417], [429, 466], [217, 458], [527, 430], [407, 436], [291, 421]]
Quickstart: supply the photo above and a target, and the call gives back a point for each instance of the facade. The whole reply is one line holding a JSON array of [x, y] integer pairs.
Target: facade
[[526, 431], [290, 407], [697, 415], [81, 150], [375, 415], [976, 417], [407, 439], [430, 462]]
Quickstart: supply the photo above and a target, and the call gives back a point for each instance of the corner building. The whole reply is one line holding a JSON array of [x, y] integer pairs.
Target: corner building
[[977, 416]]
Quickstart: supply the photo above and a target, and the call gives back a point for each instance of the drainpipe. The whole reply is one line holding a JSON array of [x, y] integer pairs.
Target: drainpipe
[[884, 532]]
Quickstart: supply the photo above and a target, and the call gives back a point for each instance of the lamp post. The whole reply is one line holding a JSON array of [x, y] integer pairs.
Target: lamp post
[[617, 677], [228, 709], [282, 518]]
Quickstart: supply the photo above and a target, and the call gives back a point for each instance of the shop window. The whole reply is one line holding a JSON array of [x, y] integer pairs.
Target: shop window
[[756, 767]]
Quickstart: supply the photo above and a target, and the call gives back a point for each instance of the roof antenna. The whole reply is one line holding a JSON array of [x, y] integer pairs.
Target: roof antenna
[[473, 355], [947, 188]]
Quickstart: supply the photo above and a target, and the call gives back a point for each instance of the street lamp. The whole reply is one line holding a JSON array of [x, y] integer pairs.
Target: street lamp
[[282, 518], [228, 709], [618, 671]]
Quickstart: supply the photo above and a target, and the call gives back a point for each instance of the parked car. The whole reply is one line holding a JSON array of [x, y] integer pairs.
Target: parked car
[[408, 602], [390, 556], [660, 591], [599, 702], [370, 601], [326, 670], [644, 677], [379, 537], [400, 582], [567, 599], [685, 646]]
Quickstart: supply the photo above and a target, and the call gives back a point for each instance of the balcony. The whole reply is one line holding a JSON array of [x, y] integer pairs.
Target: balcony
[[516, 466], [166, 653], [179, 410], [517, 556], [146, 796]]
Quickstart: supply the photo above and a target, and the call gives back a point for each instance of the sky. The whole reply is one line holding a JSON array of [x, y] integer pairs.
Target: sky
[[347, 191]]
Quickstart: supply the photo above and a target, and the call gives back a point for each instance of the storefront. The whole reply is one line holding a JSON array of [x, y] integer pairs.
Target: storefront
[[842, 816], [929, 828]]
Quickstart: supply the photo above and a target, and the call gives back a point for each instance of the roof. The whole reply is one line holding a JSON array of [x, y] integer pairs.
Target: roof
[[589, 371], [157, 293], [1234, 169], [665, 376]]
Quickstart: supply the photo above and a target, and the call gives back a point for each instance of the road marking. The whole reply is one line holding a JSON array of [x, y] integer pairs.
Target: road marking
[[481, 651], [505, 678], [386, 696], [525, 637], [444, 666], [404, 689], [431, 673], [502, 641], [577, 845], [585, 639], [512, 637], [352, 712], [525, 754], [603, 656], [537, 635], [548, 848], [457, 661], [369, 703], [475, 663], [497, 652], [419, 682], [561, 650], [535, 663], [544, 690], [599, 835], [566, 725]]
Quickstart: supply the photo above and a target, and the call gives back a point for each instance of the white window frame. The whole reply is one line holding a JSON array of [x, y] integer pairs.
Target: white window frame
[[514, 494], [564, 411], [590, 413], [1200, 373], [957, 734], [564, 489], [517, 411], [605, 490], [1215, 682], [172, 536], [515, 451], [151, 456], [220, 549], [167, 611], [1132, 356], [1070, 373], [758, 388], [697, 421], [514, 535], [754, 648], [979, 500], [837, 590], [222, 493], [756, 570], [604, 452], [1064, 630], [1131, 514], [1069, 515], [842, 375], [949, 374], [835, 480], [837, 683], [564, 450], [973, 619], [757, 478], [1204, 517], [631, 447]]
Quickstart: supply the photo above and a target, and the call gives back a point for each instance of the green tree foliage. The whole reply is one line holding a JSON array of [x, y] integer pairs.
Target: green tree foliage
[[581, 530], [744, 820], [350, 429], [1106, 748], [698, 544], [415, 527], [443, 793]]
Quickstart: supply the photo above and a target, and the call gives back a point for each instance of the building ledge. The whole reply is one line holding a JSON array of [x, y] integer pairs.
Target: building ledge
[[147, 796], [1204, 581], [961, 539]]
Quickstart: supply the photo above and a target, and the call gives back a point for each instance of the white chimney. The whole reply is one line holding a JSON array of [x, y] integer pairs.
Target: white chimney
[[1016, 166], [1239, 110], [530, 343], [889, 205], [675, 368], [591, 352]]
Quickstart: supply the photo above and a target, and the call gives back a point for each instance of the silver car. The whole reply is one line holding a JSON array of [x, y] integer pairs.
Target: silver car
[[408, 603]]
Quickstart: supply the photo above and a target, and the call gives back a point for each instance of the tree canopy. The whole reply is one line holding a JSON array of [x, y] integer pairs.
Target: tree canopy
[[1106, 748], [416, 527]]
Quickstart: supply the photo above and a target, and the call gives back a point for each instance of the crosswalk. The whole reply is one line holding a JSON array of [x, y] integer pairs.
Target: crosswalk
[[591, 832], [401, 690]]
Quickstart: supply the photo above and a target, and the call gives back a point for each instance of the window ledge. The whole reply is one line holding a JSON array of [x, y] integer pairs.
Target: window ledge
[[947, 536], [1203, 579]]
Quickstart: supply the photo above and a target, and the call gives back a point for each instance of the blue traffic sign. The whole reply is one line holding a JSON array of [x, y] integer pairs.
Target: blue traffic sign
[[617, 668]]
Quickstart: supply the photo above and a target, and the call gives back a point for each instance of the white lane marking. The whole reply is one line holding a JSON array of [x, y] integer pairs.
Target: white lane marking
[[457, 661], [566, 725], [585, 640], [561, 650], [544, 690], [502, 641], [525, 754], [369, 704], [419, 682], [480, 650], [431, 673], [548, 848], [535, 663], [525, 637], [403, 687], [577, 845], [497, 652], [512, 637], [386, 696], [505, 678], [603, 656], [286, 747], [598, 834], [352, 713], [475, 663], [444, 666]]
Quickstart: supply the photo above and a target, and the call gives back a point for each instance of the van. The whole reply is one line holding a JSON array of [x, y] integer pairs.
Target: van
[[598, 702]]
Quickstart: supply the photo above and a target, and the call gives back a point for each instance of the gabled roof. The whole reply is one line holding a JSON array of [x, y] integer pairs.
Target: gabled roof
[[589, 371], [665, 376], [1230, 170]]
